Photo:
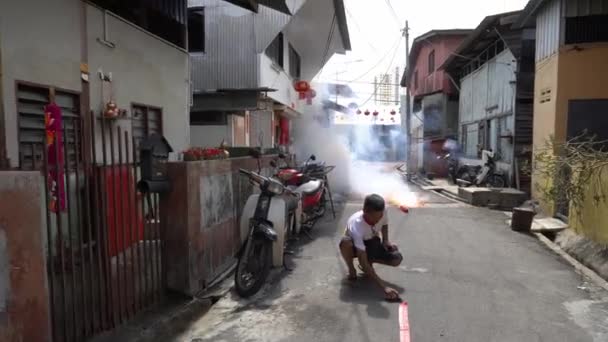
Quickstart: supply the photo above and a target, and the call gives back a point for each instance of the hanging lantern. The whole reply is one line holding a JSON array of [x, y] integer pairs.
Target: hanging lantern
[[302, 87], [376, 113], [358, 111], [366, 112], [393, 112]]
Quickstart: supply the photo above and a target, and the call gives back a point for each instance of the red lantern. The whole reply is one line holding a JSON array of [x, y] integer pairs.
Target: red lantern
[[358, 111], [393, 112], [376, 113], [302, 87], [367, 112]]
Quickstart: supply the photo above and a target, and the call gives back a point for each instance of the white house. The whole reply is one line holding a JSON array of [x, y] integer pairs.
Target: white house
[[244, 65]]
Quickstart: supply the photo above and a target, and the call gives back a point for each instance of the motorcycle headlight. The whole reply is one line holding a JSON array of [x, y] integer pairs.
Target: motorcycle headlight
[[275, 187]]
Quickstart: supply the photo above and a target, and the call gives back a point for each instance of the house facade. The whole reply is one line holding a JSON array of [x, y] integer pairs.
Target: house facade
[[433, 97], [243, 72], [101, 39], [494, 71], [570, 93]]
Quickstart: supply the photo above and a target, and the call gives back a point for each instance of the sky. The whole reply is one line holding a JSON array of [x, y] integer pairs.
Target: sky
[[376, 38]]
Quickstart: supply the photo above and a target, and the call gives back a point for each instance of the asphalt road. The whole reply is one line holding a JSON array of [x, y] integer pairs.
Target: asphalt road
[[466, 277]]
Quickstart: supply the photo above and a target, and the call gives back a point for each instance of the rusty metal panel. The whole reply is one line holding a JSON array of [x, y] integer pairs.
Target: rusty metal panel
[[548, 30]]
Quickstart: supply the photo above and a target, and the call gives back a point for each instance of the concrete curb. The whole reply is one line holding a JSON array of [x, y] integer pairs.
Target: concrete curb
[[599, 281], [442, 193]]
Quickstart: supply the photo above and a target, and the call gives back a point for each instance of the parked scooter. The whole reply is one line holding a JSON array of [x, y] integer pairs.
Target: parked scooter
[[265, 226], [485, 175], [311, 182]]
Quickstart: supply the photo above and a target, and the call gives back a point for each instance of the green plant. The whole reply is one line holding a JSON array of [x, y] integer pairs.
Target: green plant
[[571, 171]]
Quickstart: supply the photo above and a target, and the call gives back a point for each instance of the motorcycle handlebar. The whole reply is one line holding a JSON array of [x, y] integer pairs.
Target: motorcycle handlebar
[[253, 175]]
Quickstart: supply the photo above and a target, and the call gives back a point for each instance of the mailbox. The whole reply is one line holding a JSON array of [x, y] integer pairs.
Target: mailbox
[[154, 154]]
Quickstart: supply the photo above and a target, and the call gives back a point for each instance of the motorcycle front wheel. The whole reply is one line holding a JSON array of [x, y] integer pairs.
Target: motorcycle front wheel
[[253, 267], [496, 181]]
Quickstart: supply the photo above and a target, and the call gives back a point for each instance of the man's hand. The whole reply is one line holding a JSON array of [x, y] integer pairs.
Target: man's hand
[[391, 247], [390, 293]]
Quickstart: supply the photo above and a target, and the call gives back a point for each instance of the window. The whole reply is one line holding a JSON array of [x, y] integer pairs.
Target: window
[[196, 29], [587, 29], [166, 19], [294, 63], [275, 50], [432, 62], [31, 100], [145, 120], [208, 118], [416, 79]]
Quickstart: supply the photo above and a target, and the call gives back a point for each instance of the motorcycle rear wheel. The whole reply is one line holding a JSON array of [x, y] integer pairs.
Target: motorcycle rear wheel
[[253, 269]]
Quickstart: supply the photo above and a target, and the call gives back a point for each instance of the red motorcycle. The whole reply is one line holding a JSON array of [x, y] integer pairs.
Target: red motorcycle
[[310, 181]]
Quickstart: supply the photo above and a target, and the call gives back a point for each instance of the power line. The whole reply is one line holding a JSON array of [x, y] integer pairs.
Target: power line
[[329, 39], [395, 16], [387, 70], [395, 47], [360, 30]]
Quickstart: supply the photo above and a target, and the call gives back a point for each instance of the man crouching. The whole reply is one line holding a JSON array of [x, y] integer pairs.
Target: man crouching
[[361, 240]]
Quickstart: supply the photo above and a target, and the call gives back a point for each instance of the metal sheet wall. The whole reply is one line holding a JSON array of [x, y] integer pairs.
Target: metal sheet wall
[[548, 30]]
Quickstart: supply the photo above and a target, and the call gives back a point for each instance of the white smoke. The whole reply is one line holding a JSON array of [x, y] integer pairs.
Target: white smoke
[[340, 145]]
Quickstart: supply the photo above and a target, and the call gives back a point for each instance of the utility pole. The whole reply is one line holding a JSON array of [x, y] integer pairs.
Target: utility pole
[[396, 85], [408, 114]]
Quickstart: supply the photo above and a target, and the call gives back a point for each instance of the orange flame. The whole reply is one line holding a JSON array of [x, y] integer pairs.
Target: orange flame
[[407, 199]]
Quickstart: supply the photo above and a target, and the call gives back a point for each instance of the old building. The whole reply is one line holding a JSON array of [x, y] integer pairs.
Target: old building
[[494, 70], [245, 64], [434, 97], [570, 93]]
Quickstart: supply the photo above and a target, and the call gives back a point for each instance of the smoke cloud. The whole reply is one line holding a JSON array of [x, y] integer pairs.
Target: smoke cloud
[[345, 146]]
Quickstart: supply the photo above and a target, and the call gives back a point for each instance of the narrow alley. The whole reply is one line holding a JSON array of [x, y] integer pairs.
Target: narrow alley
[[466, 277]]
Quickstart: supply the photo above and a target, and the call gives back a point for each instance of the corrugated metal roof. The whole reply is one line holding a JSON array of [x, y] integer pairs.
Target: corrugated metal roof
[[479, 39]]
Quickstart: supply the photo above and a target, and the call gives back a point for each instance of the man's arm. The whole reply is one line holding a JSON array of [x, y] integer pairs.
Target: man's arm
[[385, 239], [368, 269]]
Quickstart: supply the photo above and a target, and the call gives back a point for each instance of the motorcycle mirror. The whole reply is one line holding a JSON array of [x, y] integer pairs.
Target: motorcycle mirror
[[313, 157]]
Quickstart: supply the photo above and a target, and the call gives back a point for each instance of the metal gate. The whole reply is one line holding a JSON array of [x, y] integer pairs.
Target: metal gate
[[104, 248]]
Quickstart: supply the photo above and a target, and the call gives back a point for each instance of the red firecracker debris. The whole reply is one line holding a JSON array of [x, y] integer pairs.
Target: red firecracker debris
[[404, 208]]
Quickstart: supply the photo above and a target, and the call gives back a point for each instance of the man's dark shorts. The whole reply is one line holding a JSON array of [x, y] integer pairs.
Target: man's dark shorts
[[376, 251]]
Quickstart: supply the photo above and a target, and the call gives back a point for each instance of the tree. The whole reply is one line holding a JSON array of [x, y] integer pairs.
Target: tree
[[571, 171]]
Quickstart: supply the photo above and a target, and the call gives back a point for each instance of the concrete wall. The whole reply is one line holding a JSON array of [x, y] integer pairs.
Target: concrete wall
[[202, 212], [54, 59], [145, 70], [210, 136], [24, 296]]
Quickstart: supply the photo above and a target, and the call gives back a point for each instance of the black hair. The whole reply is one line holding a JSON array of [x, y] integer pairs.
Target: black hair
[[373, 202]]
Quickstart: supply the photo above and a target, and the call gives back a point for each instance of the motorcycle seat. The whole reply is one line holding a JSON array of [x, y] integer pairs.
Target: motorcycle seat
[[309, 187]]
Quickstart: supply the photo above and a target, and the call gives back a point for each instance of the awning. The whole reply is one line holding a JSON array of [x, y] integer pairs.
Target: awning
[[252, 5]]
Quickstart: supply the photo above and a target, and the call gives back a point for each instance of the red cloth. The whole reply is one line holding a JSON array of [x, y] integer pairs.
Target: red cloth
[[284, 124], [54, 146]]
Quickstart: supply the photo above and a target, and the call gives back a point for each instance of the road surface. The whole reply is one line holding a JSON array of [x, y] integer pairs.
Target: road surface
[[465, 276]]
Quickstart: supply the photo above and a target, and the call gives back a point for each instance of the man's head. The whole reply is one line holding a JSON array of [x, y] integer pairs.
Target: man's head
[[373, 208]]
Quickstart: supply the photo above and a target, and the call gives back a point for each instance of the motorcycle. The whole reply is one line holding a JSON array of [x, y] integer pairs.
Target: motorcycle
[[265, 226], [311, 182], [485, 175]]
